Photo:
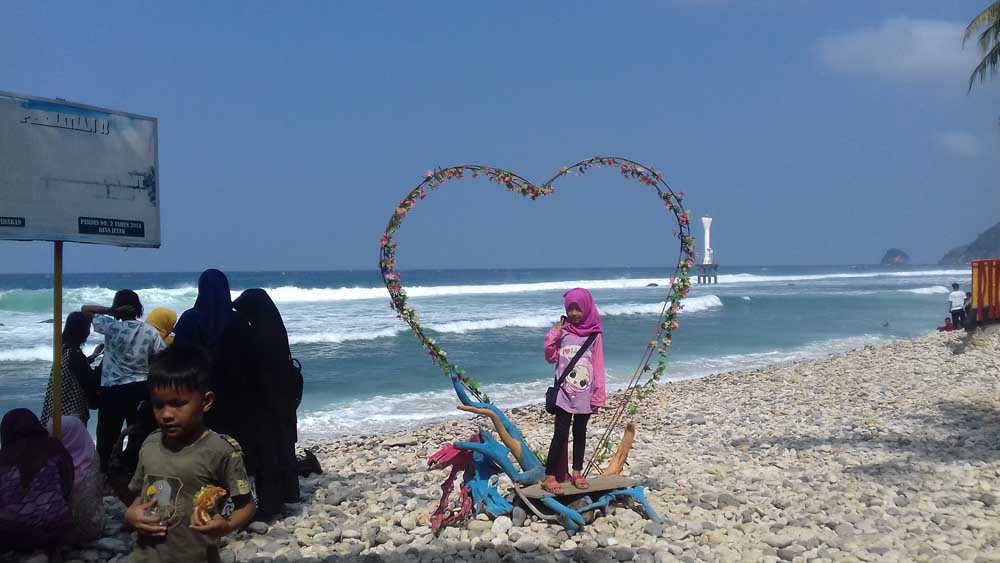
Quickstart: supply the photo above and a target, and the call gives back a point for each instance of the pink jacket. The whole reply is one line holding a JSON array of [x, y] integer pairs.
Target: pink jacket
[[552, 342]]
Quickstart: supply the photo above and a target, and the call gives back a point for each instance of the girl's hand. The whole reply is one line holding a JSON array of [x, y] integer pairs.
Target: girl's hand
[[140, 517], [216, 528]]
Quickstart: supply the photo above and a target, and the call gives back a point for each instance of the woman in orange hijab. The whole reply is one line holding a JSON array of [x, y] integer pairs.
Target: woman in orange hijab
[[163, 320]]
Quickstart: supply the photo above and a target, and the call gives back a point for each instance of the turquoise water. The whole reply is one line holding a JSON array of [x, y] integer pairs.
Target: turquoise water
[[365, 372]]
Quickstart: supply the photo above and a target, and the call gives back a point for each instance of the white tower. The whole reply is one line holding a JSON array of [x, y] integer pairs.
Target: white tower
[[707, 223]]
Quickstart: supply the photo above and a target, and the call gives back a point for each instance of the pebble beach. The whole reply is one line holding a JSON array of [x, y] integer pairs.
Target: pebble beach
[[886, 453]]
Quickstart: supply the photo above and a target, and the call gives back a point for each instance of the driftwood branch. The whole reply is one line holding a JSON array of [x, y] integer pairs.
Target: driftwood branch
[[512, 443], [621, 456]]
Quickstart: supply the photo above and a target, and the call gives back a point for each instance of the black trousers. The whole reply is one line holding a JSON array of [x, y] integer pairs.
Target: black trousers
[[556, 460], [118, 404], [958, 318]]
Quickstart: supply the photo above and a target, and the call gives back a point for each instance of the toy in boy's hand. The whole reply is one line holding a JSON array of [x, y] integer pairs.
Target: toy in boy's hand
[[206, 503]]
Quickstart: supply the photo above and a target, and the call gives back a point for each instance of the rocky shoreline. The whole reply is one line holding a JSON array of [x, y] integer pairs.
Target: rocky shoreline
[[887, 453]]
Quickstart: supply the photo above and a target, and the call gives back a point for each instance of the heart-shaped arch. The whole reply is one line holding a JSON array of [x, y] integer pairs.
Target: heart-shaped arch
[[679, 287]]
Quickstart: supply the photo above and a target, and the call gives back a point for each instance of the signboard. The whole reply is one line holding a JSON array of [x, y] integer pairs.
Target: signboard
[[70, 172]]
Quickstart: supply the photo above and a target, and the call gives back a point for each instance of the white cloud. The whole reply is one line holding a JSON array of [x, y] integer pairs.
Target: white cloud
[[901, 48], [961, 144]]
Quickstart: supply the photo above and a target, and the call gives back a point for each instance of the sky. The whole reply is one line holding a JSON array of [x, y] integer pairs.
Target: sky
[[812, 132]]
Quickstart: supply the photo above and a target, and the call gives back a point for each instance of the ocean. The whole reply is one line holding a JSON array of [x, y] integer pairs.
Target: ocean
[[364, 372]]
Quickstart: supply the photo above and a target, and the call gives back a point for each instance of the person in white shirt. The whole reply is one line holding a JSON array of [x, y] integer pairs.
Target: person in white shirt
[[128, 344], [956, 303]]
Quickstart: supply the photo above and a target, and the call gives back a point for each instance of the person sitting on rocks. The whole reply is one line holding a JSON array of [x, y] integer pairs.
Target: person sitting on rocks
[[36, 478], [948, 326], [87, 496]]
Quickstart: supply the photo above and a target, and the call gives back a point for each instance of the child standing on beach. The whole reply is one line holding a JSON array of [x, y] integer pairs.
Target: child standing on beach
[[582, 390], [180, 462]]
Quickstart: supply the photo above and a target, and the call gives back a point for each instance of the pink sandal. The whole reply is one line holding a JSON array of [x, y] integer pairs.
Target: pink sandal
[[550, 485], [579, 482]]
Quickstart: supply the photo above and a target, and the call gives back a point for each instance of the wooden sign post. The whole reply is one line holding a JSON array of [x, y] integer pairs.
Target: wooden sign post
[[57, 279]]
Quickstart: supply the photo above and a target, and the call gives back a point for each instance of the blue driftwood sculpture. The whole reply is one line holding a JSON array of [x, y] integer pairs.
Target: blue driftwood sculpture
[[490, 457]]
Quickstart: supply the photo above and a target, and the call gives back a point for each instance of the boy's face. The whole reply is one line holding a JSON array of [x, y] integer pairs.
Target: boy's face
[[179, 412]]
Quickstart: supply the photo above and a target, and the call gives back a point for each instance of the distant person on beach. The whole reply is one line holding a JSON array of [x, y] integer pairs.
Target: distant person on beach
[[181, 463], [36, 479], [213, 325], [948, 326], [956, 302], [971, 318], [87, 496], [581, 392], [163, 320], [80, 382], [276, 385], [128, 343]]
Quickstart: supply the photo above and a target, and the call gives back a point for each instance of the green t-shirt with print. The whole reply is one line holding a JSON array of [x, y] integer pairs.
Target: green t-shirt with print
[[174, 478]]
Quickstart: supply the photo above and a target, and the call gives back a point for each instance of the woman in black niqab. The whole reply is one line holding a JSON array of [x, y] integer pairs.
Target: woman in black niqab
[[206, 323], [213, 325], [279, 391]]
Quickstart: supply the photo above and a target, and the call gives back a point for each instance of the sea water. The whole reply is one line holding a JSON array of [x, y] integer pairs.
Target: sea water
[[365, 372]]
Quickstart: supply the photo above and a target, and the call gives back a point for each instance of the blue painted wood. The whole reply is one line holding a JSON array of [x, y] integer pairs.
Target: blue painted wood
[[571, 519], [635, 493], [490, 458], [482, 486], [532, 470]]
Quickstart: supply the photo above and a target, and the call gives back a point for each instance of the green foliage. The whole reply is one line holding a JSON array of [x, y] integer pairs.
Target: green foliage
[[988, 21], [986, 246]]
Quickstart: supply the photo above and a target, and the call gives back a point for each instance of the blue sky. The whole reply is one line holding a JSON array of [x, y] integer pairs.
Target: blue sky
[[814, 132]]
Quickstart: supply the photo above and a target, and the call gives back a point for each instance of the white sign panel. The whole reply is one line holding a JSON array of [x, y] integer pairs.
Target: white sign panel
[[77, 173]]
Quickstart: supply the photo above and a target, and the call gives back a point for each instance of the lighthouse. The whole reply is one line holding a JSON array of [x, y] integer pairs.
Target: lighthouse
[[708, 270], [707, 223]]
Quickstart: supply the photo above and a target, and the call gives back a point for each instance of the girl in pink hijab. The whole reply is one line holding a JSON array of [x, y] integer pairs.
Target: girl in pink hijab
[[581, 393]]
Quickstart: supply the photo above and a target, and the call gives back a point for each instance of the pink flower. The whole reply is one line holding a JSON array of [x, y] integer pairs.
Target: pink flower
[[429, 174]]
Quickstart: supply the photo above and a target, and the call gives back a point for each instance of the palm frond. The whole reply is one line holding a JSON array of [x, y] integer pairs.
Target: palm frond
[[987, 17], [989, 64], [988, 37]]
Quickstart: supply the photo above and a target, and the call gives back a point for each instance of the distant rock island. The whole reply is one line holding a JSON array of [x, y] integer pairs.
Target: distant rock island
[[895, 257], [986, 245]]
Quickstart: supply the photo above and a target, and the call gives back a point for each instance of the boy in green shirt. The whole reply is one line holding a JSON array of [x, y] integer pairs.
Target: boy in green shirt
[[180, 460]]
